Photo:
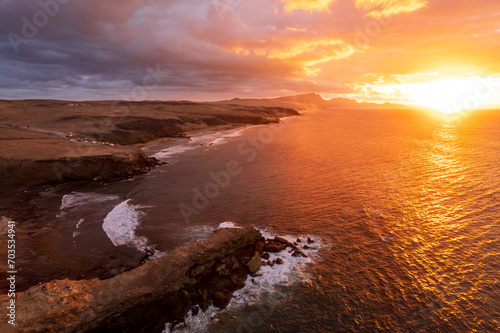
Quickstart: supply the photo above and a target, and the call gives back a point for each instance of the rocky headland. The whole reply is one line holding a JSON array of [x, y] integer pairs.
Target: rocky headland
[[144, 299]]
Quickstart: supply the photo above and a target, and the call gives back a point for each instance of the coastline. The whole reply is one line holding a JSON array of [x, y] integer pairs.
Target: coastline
[[37, 157], [159, 294], [47, 143]]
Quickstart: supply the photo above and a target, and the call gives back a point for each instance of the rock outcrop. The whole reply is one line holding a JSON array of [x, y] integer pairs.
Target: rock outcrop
[[45, 142], [113, 166], [145, 298]]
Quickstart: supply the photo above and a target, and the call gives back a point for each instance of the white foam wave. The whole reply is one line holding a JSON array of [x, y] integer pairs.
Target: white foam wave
[[77, 199], [292, 271], [79, 223], [227, 224], [270, 284], [172, 151], [210, 139], [194, 324], [76, 232], [217, 141], [236, 134], [120, 225]]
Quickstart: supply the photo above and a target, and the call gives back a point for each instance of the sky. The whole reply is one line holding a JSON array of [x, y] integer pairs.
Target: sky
[[439, 53]]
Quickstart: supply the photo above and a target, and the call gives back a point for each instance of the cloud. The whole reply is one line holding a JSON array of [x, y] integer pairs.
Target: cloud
[[207, 50], [385, 8], [307, 5]]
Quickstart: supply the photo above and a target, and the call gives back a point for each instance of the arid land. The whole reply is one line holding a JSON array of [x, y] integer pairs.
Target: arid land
[[45, 142]]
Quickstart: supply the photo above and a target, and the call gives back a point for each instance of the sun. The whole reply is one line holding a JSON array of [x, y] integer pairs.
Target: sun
[[446, 94], [450, 95]]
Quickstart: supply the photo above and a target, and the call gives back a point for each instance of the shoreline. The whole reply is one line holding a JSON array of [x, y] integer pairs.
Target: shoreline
[[160, 293], [46, 143], [49, 148], [24, 205]]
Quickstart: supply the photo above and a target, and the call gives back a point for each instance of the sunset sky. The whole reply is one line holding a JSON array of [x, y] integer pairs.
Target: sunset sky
[[439, 53]]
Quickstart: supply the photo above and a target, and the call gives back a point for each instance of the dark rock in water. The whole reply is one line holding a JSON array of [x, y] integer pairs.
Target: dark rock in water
[[309, 240], [279, 261], [274, 247], [298, 253], [195, 310], [305, 247], [145, 298], [149, 253], [264, 263], [282, 241], [221, 300], [299, 240], [254, 264], [271, 263], [265, 256]]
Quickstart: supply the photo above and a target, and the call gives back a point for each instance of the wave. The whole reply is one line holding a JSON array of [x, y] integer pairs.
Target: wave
[[74, 207], [210, 139], [76, 232], [78, 199], [120, 225], [270, 283], [172, 151]]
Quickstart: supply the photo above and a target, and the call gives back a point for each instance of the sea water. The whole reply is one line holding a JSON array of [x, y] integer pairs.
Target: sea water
[[404, 210]]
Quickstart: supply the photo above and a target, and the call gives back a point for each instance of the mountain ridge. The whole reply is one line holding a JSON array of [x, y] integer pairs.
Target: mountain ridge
[[306, 101]]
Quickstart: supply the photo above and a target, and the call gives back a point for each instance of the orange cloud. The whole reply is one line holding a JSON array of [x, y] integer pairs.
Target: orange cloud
[[306, 53], [307, 5], [257, 47], [386, 8]]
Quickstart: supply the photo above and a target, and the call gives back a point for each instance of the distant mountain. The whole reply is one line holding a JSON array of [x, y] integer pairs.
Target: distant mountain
[[304, 101], [311, 98]]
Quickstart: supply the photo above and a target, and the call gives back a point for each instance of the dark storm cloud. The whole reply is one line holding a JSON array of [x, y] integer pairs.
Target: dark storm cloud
[[91, 45], [101, 49]]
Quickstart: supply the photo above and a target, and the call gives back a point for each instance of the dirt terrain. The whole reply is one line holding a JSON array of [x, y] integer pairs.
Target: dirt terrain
[[46, 141]]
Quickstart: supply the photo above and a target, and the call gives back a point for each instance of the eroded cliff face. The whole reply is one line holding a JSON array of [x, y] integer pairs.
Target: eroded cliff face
[[45, 142], [145, 298], [113, 166]]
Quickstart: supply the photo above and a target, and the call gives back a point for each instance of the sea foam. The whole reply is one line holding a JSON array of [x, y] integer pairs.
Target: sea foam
[[270, 284], [74, 206], [210, 139], [78, 199], [120, 225], [172, 151]]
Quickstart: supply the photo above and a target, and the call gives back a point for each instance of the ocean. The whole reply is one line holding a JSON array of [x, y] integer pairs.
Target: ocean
[[403, 209]]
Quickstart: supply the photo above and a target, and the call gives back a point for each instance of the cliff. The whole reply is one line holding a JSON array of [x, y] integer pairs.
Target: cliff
[[145, 298], [43, 142]]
